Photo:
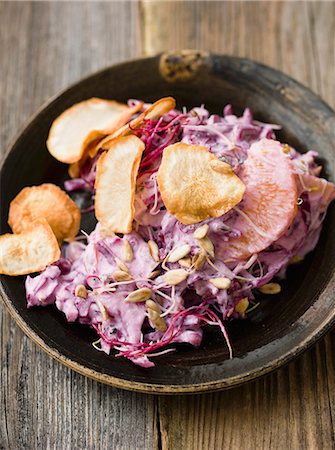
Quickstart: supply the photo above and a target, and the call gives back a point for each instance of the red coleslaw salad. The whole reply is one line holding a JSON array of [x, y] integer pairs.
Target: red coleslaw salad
[[124, 328]]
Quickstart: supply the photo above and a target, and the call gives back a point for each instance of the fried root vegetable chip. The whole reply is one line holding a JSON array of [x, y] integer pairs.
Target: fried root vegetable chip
[[116, 182], [91, 144], [49, 202], [30, 251], [85, 123], [155, 111], [195, 185], [75, 168]]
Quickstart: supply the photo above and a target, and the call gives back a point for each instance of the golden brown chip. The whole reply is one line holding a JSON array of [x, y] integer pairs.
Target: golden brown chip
[[30, 251], [156, 110], [83, 123], [75, 168], [195, 185], [159, 108], [116, 182], [91, 146], [49, 202]]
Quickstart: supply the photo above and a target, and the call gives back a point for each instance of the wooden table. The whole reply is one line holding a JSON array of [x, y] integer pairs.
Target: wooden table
[[43, 48]]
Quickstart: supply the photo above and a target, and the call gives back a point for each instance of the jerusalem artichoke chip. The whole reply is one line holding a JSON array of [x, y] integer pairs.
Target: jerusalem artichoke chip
[[46, 201], [195, 185], [30, 251], [116, 182], [83, 123]]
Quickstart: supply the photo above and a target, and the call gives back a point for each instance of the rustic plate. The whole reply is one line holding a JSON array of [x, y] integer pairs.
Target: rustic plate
[[277, 332]]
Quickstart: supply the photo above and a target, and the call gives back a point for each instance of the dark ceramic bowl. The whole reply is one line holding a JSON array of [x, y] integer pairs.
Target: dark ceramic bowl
[[284, 326]]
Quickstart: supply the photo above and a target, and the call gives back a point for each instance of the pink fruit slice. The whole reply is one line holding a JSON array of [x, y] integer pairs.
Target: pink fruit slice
[[269, 203]]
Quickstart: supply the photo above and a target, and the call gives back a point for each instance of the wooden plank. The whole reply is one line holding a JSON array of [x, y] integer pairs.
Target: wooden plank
[[294, 407], [286, 410], [43, 48], [295, 37]]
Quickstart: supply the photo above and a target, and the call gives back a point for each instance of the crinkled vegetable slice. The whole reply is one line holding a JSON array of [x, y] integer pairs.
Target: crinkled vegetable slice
[[156, 110], [195, 185], [116, 182], [46, 201], [270, 200], [85, 123], [30, 251]]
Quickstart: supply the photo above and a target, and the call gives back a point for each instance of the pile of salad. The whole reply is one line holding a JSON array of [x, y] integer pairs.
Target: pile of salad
[[218, 208]]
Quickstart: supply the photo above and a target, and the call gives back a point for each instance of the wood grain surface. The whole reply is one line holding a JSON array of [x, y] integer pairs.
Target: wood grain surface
[[44, 47]]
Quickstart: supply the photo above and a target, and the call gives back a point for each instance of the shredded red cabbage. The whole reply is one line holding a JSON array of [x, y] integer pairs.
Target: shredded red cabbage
[[189, 306]]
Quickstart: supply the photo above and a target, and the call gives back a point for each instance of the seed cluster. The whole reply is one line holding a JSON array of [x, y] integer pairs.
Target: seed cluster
[[171, 277]]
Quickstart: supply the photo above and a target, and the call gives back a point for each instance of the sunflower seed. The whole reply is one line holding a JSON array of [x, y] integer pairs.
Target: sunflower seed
[[80, 291], [121, 265], [173, 277], [198, 260], [103, 310], [242, 305], [154, 312], [185, 262], [296, 259], [150, 304], [154, 274], [154, 251], [178, 253], [201, 232], [127, 251], [221, 283], [120, 275], [270, 288], [140, 295], [207, 245]]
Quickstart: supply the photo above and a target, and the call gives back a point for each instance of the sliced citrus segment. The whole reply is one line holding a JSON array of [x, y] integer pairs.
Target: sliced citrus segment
[[195, 185], [269, 203], [30, 251], [156, 110], [116, 182], [49, 202], [85, 123]]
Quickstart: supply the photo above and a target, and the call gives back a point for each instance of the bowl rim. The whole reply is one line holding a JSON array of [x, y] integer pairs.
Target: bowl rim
[[144, 387]]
